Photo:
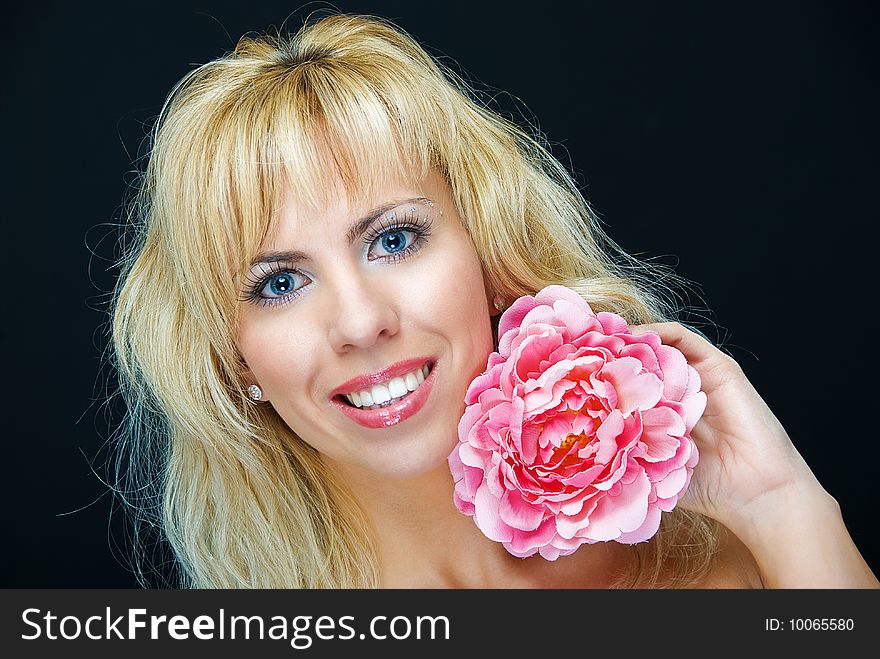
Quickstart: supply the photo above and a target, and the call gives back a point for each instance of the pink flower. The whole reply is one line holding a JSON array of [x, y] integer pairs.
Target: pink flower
[[577, 432]]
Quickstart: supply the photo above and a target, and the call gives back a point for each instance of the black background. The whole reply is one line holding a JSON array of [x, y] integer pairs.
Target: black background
[[737, 142]]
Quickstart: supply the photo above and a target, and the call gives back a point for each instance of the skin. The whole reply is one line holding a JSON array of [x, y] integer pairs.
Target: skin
[[358, 313], [752, 479]]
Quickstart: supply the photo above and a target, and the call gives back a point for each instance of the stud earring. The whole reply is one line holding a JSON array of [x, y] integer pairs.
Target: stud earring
[[255, 393], [498, 301]]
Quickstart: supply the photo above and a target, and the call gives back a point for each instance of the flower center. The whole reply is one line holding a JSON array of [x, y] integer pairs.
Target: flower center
[[562, 456], [571, 439], [581, 440]]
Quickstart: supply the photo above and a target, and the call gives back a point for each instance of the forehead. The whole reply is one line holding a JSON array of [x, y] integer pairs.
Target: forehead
[[344, 212]]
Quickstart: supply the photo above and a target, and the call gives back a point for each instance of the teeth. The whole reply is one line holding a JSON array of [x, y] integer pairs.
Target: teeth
[[392, 390], [397, 387], [380, 394]]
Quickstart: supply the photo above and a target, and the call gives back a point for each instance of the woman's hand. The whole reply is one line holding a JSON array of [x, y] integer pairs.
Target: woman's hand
[[751, 478], [746, 455]]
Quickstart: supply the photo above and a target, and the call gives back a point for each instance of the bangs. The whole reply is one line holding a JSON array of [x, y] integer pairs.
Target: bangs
[[337, 122], [321, 124], [326, 130]]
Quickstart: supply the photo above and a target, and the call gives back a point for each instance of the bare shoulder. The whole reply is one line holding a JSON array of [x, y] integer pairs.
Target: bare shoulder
[[735, 567]]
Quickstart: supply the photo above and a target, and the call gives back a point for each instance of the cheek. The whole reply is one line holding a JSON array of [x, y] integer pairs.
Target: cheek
[[454, 298], [276, 357]]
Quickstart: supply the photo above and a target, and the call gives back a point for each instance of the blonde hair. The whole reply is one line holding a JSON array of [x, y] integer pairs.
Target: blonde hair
[[241, 499]]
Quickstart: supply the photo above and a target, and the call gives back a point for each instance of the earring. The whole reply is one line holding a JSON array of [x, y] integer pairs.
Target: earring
[[255, 393], [498, 301]]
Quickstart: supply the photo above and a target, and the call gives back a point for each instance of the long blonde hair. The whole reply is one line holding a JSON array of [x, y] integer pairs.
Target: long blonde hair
[[243, 501]]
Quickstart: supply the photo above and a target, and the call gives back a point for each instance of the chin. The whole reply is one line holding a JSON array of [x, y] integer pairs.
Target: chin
[[406, 465]]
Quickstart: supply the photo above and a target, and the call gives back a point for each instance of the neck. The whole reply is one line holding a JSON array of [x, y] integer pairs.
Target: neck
[[423, 541]]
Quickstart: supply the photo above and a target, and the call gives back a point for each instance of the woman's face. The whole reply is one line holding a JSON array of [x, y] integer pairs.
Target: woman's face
[[361, 299]]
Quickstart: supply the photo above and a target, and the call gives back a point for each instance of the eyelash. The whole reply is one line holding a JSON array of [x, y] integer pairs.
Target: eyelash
[[420, 226]]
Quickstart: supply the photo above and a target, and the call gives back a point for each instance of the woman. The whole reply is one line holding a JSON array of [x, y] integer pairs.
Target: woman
[[326, 214]]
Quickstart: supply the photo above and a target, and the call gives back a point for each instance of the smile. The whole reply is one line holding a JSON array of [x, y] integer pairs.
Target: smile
[[391, 400], [380, 395]]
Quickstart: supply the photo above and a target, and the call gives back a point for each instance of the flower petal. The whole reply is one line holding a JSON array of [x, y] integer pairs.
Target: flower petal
[[645, 354], [487, 518], [675, 372], [518, 514], [533, 350], [694, 407], [612, 323], [645, 532], [607, 435], [569, 526], [511, 320], [673, 484], [549, 295], [635, 387], [662, 428], [487, 380], [623, 513], [524, 543]]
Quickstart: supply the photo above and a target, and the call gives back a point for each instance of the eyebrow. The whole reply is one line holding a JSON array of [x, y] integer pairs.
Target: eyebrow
[[357, 228]]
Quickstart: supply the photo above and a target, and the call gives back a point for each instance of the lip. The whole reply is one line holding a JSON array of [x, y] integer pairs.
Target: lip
[[399, 411], [362, 382]]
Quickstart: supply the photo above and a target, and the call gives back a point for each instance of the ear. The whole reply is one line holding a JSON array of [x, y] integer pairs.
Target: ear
[[256, 394], [249, 379], [492, 297], [497, 304]]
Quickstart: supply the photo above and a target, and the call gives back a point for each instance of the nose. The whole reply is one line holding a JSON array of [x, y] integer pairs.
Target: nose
[[362, 314]]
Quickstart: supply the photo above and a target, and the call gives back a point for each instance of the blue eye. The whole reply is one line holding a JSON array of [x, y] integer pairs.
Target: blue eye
[[394, 242], [279, 285]]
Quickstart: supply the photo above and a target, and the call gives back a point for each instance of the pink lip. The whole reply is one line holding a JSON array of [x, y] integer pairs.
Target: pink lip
[[399, 411], [362, 382]]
